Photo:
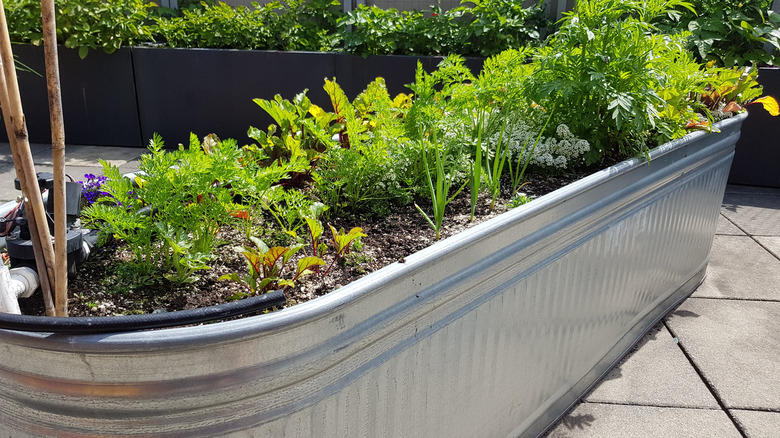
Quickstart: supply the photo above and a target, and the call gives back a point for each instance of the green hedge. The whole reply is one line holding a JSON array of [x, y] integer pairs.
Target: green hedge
[[730, 32], [482, 28]]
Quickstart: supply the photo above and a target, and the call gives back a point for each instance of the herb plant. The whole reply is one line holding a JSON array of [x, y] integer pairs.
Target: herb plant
[[602, 71], [435, 93], [170, 214]]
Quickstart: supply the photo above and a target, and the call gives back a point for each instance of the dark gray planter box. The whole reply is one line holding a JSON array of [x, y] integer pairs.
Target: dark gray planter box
[[210, 90], [124, 98], [757, 158], [98, 97], [353, 72]]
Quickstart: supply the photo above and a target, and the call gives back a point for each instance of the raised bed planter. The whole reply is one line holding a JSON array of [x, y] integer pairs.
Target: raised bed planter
[[757, 158], [493, 332]]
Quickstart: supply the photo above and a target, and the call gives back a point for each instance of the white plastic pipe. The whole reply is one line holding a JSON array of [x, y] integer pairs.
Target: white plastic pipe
[[14, 284]]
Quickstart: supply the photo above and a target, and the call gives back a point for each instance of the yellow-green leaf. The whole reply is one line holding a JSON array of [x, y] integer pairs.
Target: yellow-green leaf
[[770, 105]]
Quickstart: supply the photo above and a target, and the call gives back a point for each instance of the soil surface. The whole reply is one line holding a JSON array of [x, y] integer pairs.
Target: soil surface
[[100, 287]]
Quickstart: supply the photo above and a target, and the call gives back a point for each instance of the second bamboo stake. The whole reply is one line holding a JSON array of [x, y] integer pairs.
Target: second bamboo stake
[[58, 157]]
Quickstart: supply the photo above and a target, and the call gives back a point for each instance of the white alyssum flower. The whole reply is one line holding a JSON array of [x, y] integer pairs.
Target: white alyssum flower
[[553, 152]]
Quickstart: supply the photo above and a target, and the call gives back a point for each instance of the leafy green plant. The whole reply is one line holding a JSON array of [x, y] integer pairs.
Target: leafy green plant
[[602, 72], [439, 190], [268, 266], [291, 25], [220, 26], [303, 131], [497, 25], [288, 207], [183, 261], [479, 28], [182, 5], [361, 174], [342, 241], [519, 199], [170, 214], [731, 32], [83, 24], [435, 94], [308, 25], [730, 90], [498, 94]]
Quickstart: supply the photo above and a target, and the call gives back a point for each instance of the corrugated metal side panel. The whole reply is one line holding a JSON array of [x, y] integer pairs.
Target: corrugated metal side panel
[[507, 359], [492, 333]]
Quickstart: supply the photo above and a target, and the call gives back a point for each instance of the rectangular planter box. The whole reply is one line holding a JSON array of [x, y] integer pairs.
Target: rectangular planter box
[[211, 90], [494, 332], [124, 98], [353, 72], [757, 158], [98, 97]]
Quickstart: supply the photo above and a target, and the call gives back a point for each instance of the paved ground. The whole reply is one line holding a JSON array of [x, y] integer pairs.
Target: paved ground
[[79, 160], [711, 369]]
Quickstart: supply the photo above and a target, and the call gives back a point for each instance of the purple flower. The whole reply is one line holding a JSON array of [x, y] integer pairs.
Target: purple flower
[[92, 188]]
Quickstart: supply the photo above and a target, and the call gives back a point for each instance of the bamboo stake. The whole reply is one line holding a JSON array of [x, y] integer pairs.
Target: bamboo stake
[[17, 129], [58, 157], [37, 251]]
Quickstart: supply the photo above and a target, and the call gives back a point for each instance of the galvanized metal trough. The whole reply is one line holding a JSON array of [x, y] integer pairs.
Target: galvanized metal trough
[[492, 333]]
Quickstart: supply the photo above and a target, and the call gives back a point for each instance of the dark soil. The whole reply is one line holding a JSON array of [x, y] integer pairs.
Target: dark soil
[[102, 288]]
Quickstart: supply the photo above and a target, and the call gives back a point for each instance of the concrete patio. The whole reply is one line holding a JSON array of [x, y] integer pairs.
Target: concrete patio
[[712, 367]]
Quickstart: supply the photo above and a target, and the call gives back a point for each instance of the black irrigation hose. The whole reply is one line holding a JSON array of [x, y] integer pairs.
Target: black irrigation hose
[[84, 325]]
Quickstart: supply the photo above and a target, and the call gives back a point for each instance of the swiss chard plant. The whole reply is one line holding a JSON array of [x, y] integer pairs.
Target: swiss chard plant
[[268, 268], [362, 173]]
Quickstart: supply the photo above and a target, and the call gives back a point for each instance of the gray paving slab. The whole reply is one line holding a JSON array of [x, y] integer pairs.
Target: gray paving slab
[[625, 421], [727, 228], [656, 373], [755, 210], [740, 268], [735, 345], [7, 175], [5, 151], [758, 424], [771, 243], [86, 156]]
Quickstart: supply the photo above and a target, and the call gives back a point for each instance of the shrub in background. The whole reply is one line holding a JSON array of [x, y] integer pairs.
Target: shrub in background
[[729, 32]]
